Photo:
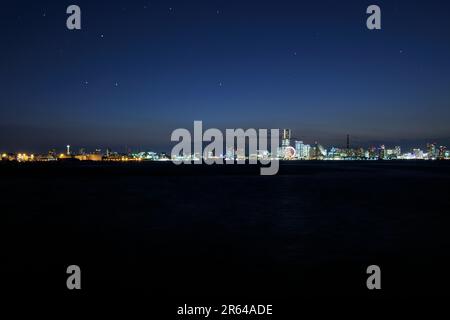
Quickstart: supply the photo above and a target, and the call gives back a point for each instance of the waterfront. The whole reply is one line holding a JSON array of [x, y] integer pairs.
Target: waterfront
[[226, 231]]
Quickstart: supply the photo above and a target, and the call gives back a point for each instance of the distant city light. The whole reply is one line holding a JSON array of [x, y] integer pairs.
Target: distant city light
[[290, 150]]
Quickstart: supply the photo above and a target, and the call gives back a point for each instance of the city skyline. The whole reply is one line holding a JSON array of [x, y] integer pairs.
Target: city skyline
[[348, 143], [288, 148], [337, 142]]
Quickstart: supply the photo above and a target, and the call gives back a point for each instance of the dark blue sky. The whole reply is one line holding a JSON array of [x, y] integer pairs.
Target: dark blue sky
[[139, 69]]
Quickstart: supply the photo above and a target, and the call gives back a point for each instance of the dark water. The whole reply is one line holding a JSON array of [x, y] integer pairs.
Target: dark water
[[195, 231]]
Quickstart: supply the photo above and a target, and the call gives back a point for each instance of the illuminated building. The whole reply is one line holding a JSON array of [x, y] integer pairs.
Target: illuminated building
[[23, 157], [360, 153], [46, 157], [431, 151], [148, 155], [398, 151], [390, 154], [306, 152], [442, 151], [333, 154], [280, 153], [322, 151], [240, 154], [253, 156], [418, 154], [382, 152], [299, 149], [89, 157], [318, 152], [286, 138], [285, 142], [373, 153], [230, 155], [447, 154]]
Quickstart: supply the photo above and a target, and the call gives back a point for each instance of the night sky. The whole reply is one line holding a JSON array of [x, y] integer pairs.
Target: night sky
[[140, 69]]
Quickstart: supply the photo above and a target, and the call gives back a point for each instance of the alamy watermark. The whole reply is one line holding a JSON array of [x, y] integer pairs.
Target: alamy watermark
[[190, 148], [74, 279], [374, 20], [374, 280], [73, 22]]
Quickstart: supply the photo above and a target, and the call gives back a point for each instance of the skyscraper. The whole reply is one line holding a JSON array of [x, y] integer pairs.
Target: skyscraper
[[299, 149], [382, 152], [306, 154], [398, 151], [286, 138], [431, 150], [441, 154]]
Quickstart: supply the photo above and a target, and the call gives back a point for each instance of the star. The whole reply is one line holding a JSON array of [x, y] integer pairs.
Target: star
[[116, 84], [102, 36]]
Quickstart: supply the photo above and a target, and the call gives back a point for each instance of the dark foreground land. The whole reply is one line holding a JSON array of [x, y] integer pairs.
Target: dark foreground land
[[197, 231]]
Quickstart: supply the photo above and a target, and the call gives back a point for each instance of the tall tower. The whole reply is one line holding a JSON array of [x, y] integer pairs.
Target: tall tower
[[348, 141], [431, 150], [286, 138], [68, 150], [299, 149]]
